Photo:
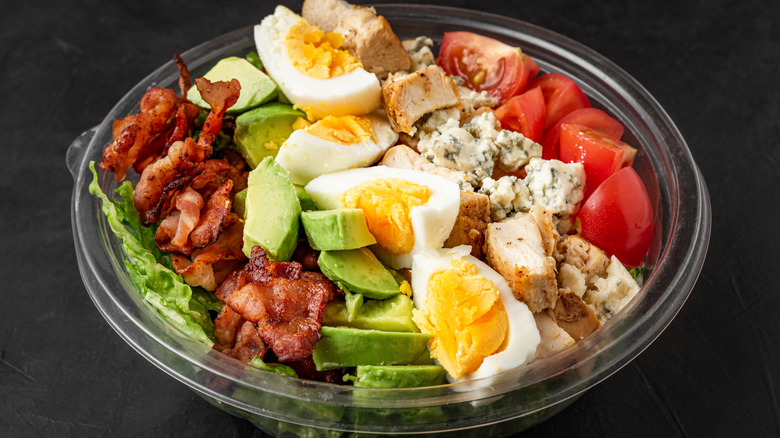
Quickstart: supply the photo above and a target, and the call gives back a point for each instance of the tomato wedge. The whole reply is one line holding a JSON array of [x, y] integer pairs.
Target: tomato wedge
[[593, 118], [561, 96], [600, 155], [486, 64], [524, 114], [618, 217]]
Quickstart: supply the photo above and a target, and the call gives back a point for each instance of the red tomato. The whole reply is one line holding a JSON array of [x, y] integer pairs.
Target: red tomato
[[593, 118], [600, 155], [486, 64], [618, 217], [524, 114], [561, 95]]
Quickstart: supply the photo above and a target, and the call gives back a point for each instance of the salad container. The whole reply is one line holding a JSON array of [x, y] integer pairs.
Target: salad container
[[507, 403]]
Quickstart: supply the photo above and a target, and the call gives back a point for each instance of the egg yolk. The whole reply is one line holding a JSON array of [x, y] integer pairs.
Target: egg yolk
[[387, 205], [465, 317], [346, 130], [316, 53]]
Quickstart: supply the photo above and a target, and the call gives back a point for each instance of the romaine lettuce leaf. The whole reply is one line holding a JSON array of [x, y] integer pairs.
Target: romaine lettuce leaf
[[151, 271]]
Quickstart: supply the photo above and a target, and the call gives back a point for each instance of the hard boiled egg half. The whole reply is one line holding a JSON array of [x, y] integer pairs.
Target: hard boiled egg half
[[336, 143], [407, 211], [310, 68], [478, 329]]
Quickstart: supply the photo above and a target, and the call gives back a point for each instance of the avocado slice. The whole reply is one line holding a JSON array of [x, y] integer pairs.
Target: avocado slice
[[399, 376], [272, 212], [342, 347], [256, 87], [260, 132], [239, 203], [390, 315], [307, 204], [329, 230], [359, 271]]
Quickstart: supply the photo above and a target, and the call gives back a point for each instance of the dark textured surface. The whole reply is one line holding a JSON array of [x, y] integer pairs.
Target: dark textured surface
[[713, 65]]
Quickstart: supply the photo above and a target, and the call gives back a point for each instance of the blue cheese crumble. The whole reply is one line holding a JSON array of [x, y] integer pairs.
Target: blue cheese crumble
[[507, 195], [475, 147], [612, 292], [419, 52], [555, 185], [552, 184]]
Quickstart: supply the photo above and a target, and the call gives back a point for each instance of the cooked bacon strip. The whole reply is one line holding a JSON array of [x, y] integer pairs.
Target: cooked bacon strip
[[210, 266], [161, 180], [189, 202], [285, 303], [226, 325], [220, 96], [214, 216], [137, 131], [216, 172], [184, 75], [260, 269], [248, 344]]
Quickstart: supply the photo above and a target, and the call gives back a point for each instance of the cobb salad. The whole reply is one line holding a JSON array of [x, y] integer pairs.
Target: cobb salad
[[345, 206]]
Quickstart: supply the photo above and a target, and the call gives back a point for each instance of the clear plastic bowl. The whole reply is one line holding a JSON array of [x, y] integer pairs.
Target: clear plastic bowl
[[511, 402]]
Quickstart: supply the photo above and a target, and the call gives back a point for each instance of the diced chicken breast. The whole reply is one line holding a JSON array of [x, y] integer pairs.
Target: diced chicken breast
[[554, 338], [578, 252], [573, 315], [403, 157], [471, 224], [326, 14], [519, 250], [367, 36], [407, 97]]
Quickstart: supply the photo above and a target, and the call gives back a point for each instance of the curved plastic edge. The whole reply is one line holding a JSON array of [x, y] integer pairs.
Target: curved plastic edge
[[77, 151]]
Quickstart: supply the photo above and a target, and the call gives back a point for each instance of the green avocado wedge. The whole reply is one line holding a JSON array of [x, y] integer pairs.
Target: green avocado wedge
[[256, 87], [261, 131], [399, 376], [342, 347], [390, 315], [330, 230], [272, 212], [360, 272]]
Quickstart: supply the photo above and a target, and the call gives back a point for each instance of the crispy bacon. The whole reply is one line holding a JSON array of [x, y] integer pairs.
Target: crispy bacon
[[184, 74], [208, 267], [226, 326], [285, 303], [138, 131], [213, 217], [189, 202], [220, 96], [163, 179], [248, 343]]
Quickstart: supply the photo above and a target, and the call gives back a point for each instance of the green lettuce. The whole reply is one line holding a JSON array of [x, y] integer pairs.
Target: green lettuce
[[151, 271], [279, 368]]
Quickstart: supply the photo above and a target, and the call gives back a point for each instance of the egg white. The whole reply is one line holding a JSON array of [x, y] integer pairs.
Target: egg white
[[357, 92], [432, 222], [522, 337], [306, 156]]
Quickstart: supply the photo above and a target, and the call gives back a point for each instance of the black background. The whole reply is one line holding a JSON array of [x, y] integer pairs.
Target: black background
[[713, 65]]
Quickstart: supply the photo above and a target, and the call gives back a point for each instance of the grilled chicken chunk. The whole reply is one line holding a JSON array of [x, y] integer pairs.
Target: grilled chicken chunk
[[471, 224], [367, 37], [554, 338], [403, 157], [407, 97], [521, 251], [586, 257], [574, 316]]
